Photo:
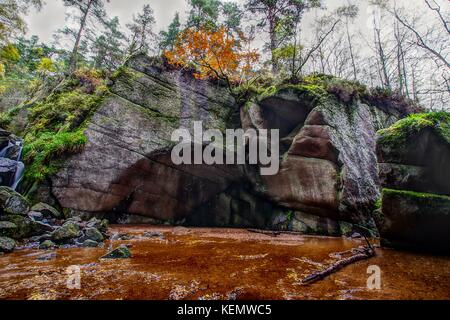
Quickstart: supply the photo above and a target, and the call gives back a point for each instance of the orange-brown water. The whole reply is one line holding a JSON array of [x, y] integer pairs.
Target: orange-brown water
[[220, 264]]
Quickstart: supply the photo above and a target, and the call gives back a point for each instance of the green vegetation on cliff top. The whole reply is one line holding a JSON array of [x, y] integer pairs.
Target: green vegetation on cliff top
[[319, 88], [404, 129]]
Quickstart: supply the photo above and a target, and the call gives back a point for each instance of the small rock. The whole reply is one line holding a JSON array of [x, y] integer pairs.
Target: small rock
[[93, 223], [68, 231], [356, 235], [89, 244], [94, 234], [46, 210], [47, 257], [47, 245], [121, 237], [153, 234], [41, 228], [121, 252], [35, 216], [7, 244], [41, 238]]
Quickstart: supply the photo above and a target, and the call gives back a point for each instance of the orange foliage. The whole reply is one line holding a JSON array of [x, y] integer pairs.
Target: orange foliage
[[215, 54]]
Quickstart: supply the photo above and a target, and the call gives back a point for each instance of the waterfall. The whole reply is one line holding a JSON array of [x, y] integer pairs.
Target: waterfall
[[13, 151], [18, 175]]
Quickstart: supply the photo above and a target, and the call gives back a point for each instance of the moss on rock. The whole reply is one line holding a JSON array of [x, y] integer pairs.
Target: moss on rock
[[55, 124], [407, 128]]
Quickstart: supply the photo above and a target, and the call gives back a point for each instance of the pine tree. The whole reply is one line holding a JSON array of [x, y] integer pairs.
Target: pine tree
[[11, 17], [108, 48], [141, 30], [88, 10], [169, 37], [279, 18]]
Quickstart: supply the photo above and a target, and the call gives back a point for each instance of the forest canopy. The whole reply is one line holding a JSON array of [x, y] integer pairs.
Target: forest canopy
[[242, 42]]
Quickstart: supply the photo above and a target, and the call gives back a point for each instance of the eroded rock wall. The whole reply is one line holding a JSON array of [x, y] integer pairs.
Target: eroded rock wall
[[125, 168], [329, 168]]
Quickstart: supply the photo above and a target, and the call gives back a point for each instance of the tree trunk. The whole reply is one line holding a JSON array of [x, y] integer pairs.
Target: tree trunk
[[352, 55], [273, 40], [73, 57]]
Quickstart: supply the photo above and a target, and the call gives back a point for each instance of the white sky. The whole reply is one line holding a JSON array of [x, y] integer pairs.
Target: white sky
[[52, 16]]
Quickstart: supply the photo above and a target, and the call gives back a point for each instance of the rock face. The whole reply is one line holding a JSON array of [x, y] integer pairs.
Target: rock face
[[329, 165], [414, 157], [126, 166], [328, 176]]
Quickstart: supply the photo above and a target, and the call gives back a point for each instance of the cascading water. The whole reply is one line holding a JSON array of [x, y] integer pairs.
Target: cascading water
[[12, 168]]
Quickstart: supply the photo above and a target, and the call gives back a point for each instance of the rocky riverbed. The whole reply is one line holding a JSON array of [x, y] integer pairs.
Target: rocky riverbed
[[181, 263]]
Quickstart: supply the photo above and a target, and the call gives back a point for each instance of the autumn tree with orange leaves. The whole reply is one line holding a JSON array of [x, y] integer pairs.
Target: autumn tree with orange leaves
[[215, 54]]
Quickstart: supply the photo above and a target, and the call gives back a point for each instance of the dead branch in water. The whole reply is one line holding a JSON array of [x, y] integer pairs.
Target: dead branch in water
[[265, 232], [361, 254]]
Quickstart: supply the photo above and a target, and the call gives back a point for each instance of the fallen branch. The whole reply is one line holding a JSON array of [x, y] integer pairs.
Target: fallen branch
[[265, 232], [361, 254]]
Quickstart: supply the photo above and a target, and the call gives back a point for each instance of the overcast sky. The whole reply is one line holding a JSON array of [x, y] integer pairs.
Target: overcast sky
[[52, 16]]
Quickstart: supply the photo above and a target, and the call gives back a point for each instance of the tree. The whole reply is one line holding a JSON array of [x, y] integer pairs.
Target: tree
[[279, 18], [11, 20], [108, 47], [296, 55], [232, 16], [214, 53], [204, 13], [169, 37], [141, 31], [88, 9], [424, 40]]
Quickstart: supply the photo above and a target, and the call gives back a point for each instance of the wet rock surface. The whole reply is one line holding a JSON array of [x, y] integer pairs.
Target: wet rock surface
[[44, 226]]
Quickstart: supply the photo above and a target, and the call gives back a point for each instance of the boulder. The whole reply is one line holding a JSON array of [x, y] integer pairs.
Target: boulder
[[24, 226], [8, 169], [415, 210], [415, 220], [46, 210], [415, 152], [7, 229], [12, 202], [93, 234], [7, 244], [66, 232], [121, 252]]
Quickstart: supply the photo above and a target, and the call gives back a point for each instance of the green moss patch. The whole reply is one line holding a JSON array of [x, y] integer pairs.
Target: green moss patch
[[43, 152], [427, 199], [55, 124], [406, 128]]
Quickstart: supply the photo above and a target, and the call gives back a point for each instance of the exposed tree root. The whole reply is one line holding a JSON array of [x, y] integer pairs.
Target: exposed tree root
[[359, 254]]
